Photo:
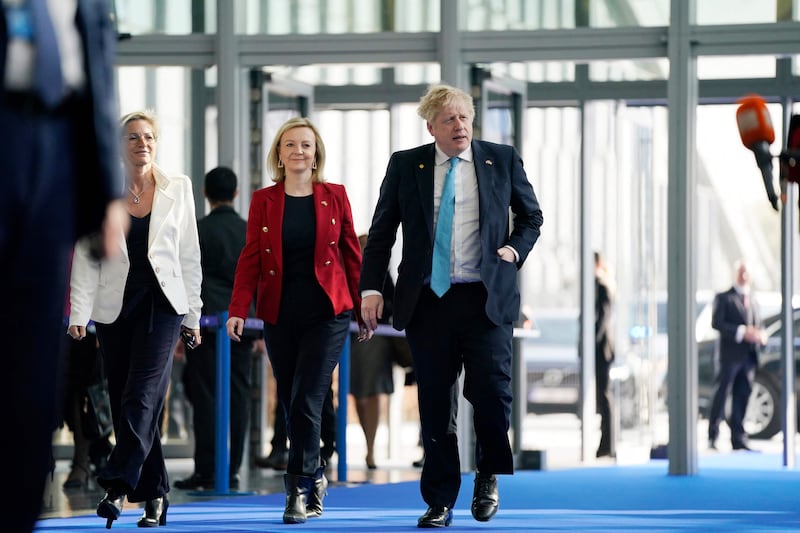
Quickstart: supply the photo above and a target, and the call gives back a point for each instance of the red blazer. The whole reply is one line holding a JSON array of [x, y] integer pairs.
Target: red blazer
[[337, 254]]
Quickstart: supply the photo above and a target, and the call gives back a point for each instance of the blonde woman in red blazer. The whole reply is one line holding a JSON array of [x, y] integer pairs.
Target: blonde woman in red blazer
[[302, 260]]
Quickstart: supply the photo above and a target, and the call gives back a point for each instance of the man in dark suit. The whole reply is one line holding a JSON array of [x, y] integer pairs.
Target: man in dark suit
[[222, 235], [736, 316], [603, 355], [460, 315], [59, 136]]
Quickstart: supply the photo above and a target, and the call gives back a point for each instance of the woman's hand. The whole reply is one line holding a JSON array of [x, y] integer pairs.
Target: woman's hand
[[235, 327], [77, 332]]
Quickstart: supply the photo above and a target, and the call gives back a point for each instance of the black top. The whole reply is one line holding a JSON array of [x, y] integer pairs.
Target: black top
[[141, 280], [302, 298]]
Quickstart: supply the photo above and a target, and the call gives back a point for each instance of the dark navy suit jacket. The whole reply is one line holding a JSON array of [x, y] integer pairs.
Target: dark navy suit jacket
[[406, 200], [99, 174], [728, 314]]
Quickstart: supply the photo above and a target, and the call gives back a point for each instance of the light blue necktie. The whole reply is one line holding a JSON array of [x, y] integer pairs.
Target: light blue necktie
[[47, 79], [440, 270]]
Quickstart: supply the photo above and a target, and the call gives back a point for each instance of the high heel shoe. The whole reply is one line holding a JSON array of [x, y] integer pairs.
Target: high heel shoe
[[155, 513], [110, 507]]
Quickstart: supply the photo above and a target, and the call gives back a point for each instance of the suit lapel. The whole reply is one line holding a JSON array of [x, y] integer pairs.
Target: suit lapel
[[423, 174], [162, 205], [484, 174]]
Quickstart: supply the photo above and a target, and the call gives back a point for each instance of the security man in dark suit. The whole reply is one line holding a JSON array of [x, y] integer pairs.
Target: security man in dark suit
[[457, 294], [222, 235], [737, 318], [59, 137]]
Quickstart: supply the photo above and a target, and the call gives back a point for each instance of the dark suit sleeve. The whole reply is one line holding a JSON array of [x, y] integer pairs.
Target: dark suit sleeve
[[527, 214], [98, 158], [382, 231]]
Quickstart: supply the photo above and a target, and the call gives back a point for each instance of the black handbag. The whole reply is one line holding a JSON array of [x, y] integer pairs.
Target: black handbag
[[97, 422]]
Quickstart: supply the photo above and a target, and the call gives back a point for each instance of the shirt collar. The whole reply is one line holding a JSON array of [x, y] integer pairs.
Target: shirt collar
[[442, 158]]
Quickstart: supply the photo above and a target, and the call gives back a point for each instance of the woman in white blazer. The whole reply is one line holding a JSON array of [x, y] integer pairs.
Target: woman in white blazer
[[140, 301]]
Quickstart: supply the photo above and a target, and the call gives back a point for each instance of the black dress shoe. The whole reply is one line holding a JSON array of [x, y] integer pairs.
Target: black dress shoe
[[110, 507], [194, 482], [155, 513], [275, 460], [485, 499], [436, 517], [419, 463], [712, 444], [605, 452], [742, 446]]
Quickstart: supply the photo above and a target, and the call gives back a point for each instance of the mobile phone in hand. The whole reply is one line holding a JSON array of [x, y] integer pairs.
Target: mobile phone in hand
[[188, 338]]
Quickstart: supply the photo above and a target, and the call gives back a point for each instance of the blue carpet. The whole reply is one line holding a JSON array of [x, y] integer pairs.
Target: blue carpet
[[737, 492]]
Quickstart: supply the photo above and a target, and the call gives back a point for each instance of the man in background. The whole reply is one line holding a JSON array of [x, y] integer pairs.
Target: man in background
[[737, 318], [222, 235], [603, 354]]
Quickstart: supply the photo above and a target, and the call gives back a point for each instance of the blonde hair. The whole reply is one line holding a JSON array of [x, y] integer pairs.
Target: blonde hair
[[279, 172], [145, 114], [440, 96]]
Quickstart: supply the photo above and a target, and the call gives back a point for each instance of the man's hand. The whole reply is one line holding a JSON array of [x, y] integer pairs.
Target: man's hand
[[372, 311], [506, 254]]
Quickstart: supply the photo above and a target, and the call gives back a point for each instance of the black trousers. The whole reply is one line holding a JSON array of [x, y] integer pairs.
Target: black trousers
[[137, 353], [303, 356], [448, 335], [734, 379], [37, 231], [199, 378], [327, 427], [605, 403]]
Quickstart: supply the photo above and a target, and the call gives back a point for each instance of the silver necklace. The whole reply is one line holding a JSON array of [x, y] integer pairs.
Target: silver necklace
[[137, 198]]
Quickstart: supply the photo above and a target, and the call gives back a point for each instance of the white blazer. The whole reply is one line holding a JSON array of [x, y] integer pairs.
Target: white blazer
[[173, 249]]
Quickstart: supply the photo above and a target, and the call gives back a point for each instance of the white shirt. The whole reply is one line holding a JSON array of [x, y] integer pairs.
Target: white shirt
[[465, 248], [21, 53]]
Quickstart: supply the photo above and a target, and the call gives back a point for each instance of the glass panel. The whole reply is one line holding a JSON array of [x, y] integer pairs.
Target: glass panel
[[417, 73], [278, 17], [622, 13], [550, 71], [629, 70], [139, 17], [716, 68], [487, 15], [736, 11], [331, 74], [482, 15]]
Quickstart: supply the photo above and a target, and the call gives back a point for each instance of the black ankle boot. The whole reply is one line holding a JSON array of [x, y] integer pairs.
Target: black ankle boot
[[297, 491], [317, 493], [155, 513], [110, 506]]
